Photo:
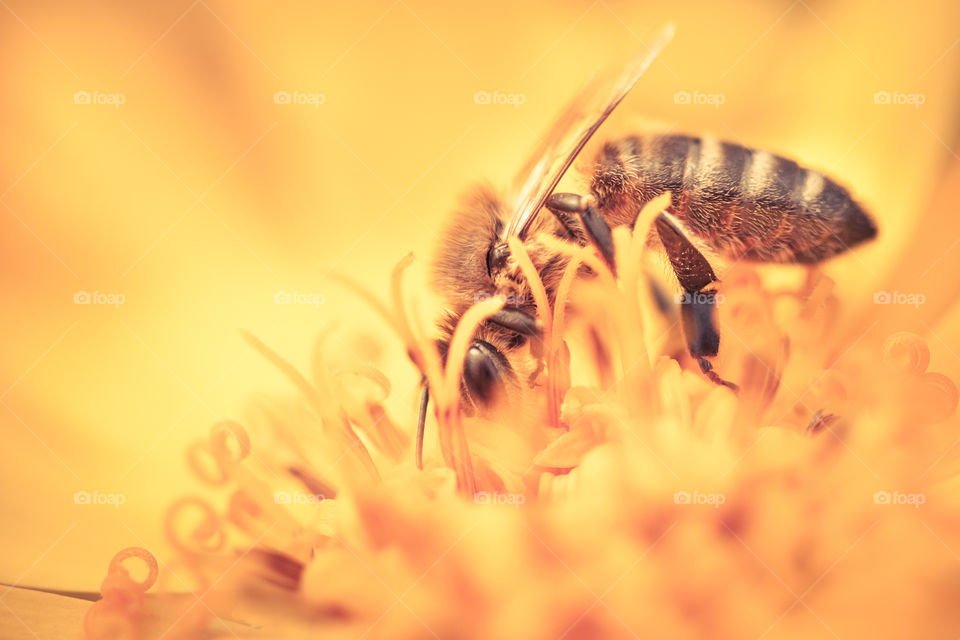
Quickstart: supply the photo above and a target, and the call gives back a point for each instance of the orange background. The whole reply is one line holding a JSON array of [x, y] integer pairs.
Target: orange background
[[199, 198]]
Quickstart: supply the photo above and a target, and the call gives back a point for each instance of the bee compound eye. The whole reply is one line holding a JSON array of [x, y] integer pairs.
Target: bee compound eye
[[497, 257], [485, 374], [481, 375]]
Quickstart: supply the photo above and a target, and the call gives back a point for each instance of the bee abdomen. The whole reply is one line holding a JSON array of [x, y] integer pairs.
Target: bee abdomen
[[745, 203]]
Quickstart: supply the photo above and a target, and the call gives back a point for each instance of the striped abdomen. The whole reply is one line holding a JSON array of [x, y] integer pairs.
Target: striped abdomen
[[746, 203]]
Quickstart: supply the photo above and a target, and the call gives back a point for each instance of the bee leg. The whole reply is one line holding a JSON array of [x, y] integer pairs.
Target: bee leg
[[517, 320], [527, 326], [597, 229], [697, 304], [422, 422], [821, 421], [563, 206]]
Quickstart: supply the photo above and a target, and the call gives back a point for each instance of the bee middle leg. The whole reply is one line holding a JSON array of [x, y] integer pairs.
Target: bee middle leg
[[694, 272], [697, 303], [594, 227]]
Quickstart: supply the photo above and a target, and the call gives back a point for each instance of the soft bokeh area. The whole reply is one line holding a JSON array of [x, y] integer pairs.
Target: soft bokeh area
[[172, 173]]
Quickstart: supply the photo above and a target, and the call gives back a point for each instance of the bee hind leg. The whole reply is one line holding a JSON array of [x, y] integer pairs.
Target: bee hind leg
[[697, 303], [592, 225]]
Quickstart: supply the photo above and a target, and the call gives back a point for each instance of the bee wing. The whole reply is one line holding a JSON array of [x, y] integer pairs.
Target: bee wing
[[577, 124]]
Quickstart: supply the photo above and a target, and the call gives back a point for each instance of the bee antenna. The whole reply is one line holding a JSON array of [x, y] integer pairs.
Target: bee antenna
[[422, 423]]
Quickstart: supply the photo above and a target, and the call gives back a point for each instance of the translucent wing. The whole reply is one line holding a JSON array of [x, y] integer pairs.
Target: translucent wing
[[540, 176]]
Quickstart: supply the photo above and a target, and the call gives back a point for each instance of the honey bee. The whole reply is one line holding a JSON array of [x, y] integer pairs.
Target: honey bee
[[742, 203]]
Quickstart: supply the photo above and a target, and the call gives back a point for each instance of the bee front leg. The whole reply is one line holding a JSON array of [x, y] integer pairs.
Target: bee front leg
[[594, 226], [697, 304], [519, 321]]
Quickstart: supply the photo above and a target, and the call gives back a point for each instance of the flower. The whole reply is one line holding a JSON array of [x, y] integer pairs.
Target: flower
[[654, 503]]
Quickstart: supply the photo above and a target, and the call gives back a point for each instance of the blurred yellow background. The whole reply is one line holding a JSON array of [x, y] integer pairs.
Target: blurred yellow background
[[148, 159]]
